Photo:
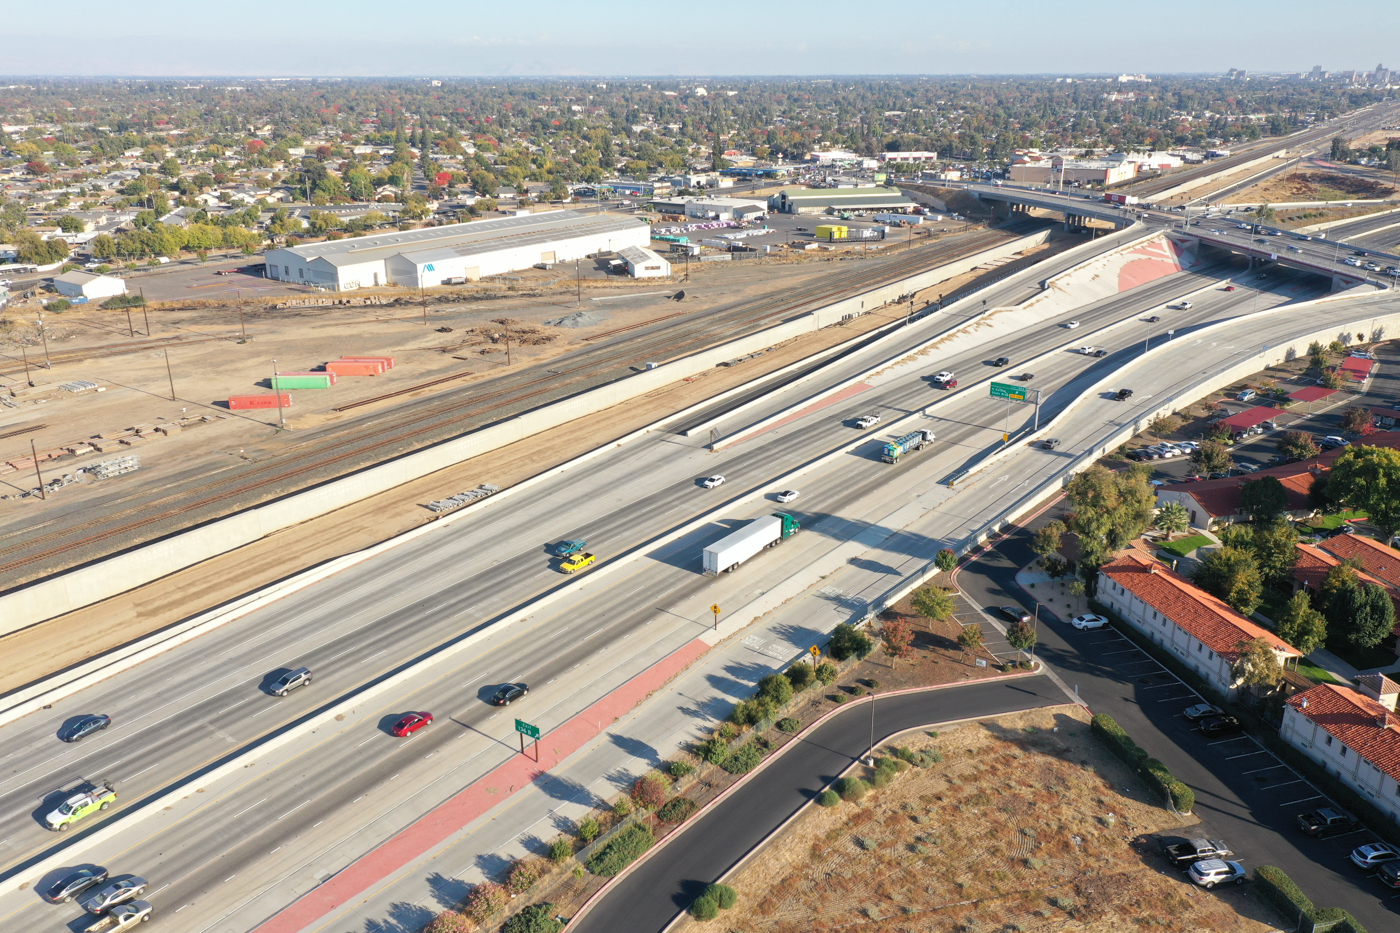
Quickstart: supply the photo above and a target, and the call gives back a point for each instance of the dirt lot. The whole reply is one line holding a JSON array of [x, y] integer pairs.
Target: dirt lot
[[1314, 185], [66, 640], [1024, 823]]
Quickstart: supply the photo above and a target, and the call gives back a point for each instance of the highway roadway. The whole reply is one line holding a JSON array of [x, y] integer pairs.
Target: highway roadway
[[339, 793], [1377, 232]]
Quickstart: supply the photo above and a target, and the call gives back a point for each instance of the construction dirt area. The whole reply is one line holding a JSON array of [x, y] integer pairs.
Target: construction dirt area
[[1022, 822], [1318, 184], [299, 339]]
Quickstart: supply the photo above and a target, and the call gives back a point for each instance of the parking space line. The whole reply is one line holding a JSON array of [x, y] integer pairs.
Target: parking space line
[[1124, 651], [1284, 784], [1177, 699], [1235, 739], [1155, 686], [1257, 751], [1257, 770], [1304, 800]]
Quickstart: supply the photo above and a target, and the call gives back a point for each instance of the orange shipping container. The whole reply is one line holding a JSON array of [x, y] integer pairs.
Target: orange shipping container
[[236, 402], [351, 368], [388, 361]]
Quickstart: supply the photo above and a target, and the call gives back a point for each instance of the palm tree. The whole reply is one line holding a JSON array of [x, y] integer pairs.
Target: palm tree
[[1173, 519]]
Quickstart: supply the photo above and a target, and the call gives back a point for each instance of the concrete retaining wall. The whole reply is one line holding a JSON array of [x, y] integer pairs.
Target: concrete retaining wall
[[1329, 224], [1196, 183], [66, 592], [1134, 263]]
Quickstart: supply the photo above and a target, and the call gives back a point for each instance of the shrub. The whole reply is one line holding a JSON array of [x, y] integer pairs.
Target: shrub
[[725, 896], [537, 918], [123, 301], [561, 849], [828, 798], [1280, 891], [848, 641], [789, 724], [892, 765], [620, 851], [922, 759], [945, 560], [623, 806], [679, 769], [743, 759], [850, 788], [650, 790], [839, 698], [748, 712], [1183, 797], [588, 830], [58, 304], [727, 731], [827, 673], [704, 908], [449, 921], [800, 675], [676, 810], [713, 750], [523, 875], [484, 900], [776, 689], [881, 778]]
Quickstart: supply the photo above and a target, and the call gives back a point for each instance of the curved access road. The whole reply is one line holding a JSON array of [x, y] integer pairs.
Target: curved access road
[[664, 885]]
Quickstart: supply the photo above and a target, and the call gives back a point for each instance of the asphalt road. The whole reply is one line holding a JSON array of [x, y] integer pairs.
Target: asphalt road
[[342, 792], [652, 895]]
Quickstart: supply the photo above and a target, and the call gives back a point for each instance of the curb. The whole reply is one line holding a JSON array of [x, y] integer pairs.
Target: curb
[[744, 780]]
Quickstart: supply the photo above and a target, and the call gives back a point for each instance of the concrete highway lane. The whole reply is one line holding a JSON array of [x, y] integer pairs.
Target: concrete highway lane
[[426, 592], [649, 898]]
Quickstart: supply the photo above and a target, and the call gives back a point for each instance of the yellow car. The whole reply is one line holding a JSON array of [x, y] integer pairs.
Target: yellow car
[[577, 562]]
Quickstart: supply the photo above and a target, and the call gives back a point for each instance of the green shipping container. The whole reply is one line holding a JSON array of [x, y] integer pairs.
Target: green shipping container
[[280, 383]]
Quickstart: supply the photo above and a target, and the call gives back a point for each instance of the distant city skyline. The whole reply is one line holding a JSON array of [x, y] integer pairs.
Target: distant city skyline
[[358, 38]]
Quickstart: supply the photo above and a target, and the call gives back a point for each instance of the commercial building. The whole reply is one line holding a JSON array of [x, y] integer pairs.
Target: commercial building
[[918, 158], [828, 200], [1040, 170], [1202, 631], [642, 263], [457, 252], [713, 208], [1354, 735], [88, 287], [639, 189]]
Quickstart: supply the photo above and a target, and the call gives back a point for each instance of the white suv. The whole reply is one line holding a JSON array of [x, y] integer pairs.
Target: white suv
[[1213, 871], [712, 481]]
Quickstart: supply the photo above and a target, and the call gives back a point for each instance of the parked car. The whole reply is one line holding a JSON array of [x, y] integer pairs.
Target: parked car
[[787, 495], [1214, 871], [1332, 441], [1389, 874], [1327, 821], [1201, 711], [76, 882], [1247, 467], [1088, 621], [86, 726], [1374, 854], [1219, 725], [1013, 613], [411, 723], [508, 694], [1185, 852]]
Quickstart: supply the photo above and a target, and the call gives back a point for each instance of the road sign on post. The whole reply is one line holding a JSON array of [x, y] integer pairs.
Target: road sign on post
[[1012, 393], [715, 610], [524, 728]]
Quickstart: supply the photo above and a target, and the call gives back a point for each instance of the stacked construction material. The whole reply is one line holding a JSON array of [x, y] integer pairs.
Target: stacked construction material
[[318, 380], [236, 402]]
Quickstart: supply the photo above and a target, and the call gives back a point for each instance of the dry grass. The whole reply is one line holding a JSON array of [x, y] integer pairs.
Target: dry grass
[[1026, 824]]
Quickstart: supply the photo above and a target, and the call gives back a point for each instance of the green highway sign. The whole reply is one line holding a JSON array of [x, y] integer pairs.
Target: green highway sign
[[524, 728], [1002, 390]]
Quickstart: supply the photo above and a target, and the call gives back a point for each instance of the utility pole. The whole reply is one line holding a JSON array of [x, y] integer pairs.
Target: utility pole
[[27, 379], [35, 454], [578, 281], [44, 334], [169, 375], [242, 327], [424, 298], [144, 313], [277, 390], [507, 344], [131, 331]]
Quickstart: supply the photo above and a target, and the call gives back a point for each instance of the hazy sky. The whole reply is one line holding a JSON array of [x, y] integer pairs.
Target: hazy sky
[[591, 37]]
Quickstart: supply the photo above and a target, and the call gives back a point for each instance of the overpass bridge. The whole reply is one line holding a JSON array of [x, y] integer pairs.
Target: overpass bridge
[[1076, 207]]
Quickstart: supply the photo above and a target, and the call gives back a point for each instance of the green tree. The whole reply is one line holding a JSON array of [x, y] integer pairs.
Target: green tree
[[933, 603], [1232, 574], [1046, 540], [1275, 548], [1021, 636], [1173, 518], [848, 641], [1211, 457], [1297, 445], [1109, 509], [1317, 355], [1257, 664], [170, 168], [1369, 618], [1301, 625], [1264, 499], [776, 689], [1368, 478], [970, 638], [946, 559], [1163, 425], [70, 224]]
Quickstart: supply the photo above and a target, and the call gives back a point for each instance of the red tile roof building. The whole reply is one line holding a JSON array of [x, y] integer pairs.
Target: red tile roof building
[[1353, 734], [1201, 630], [1381, 563]]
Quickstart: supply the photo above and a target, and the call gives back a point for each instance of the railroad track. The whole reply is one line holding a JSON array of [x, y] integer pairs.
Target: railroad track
[[437, 419], [14, 367]]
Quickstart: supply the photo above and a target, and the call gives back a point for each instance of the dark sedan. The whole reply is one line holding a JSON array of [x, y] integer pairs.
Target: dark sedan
[[1013, 613], [508, 694], [75, 883], [1219, 725], [85, 727]]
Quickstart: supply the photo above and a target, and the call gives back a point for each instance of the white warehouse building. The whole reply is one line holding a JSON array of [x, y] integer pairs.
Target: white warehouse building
[[435, 255]]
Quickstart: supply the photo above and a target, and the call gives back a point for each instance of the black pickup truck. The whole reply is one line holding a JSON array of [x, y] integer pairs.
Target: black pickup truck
[[1327, 821], [1183, 853]]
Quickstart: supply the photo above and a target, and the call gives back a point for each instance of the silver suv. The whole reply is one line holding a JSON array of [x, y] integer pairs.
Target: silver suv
[[289, 681]]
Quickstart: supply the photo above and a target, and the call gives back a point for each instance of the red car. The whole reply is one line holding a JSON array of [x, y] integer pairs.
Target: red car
[[1229, 288], [411, 723]]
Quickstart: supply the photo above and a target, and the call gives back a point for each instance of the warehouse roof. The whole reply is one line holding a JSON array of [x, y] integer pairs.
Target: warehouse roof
[[455, 240], [821, 194]]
